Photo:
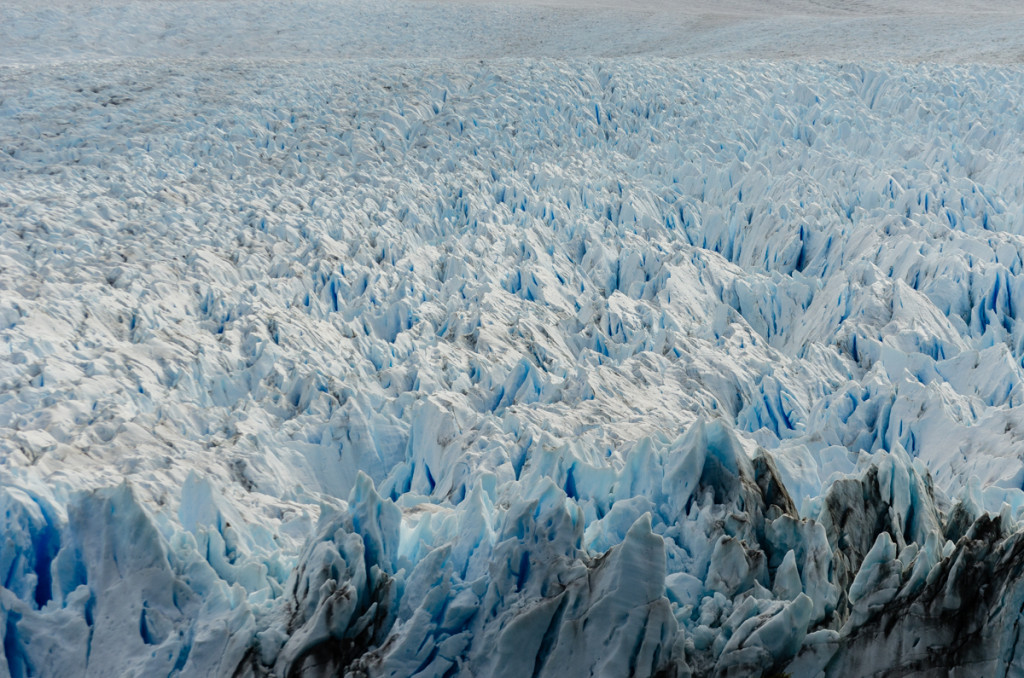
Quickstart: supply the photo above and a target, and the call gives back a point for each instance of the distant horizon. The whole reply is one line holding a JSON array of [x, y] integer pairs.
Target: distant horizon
[[944, 32]]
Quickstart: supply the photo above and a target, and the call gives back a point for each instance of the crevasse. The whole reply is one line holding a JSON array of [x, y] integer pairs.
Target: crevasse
[[523, 368]]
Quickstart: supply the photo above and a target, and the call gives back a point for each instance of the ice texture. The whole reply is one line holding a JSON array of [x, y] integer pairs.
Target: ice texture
[[517, 367]]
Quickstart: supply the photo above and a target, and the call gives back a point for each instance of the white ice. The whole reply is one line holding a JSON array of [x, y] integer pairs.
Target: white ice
[[419, 338]]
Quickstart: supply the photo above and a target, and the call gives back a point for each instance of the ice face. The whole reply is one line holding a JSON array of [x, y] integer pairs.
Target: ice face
[[628, 367]]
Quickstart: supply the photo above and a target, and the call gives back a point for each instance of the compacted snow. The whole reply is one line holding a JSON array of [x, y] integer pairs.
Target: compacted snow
[[375, 340], [949, 31]]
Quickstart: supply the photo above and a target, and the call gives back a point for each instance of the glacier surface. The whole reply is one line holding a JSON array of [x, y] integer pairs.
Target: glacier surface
[[510, 367]]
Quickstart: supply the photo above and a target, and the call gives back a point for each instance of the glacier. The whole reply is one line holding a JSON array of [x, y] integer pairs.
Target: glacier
[[433, 364]]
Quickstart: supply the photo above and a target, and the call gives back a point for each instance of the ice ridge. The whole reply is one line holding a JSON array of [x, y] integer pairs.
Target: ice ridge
[[517, 368]]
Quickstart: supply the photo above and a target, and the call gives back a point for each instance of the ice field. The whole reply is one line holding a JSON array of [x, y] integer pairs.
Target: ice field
[[434, 339]]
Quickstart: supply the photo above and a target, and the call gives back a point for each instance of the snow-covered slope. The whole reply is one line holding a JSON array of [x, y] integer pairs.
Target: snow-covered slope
[[516, 367]]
